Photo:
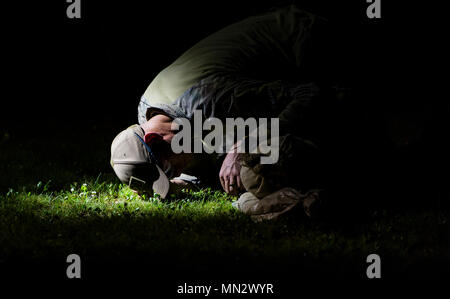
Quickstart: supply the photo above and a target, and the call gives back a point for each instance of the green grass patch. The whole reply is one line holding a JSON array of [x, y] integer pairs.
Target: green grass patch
[[53, 202], [98, 218]]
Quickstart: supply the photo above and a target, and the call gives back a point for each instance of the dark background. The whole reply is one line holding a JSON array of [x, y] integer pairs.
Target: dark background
[[96, 68]]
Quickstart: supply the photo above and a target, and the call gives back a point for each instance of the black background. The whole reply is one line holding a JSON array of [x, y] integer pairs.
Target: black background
[[59, 70]]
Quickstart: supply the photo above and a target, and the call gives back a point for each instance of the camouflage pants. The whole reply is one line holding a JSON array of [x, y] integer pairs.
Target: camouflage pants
[[295, 182]]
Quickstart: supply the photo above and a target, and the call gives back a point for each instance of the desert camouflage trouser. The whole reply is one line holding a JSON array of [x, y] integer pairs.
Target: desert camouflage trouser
[[294, 183]]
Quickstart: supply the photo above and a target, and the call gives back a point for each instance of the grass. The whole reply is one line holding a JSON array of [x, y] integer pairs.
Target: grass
[[100, 215], [46, 216]]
